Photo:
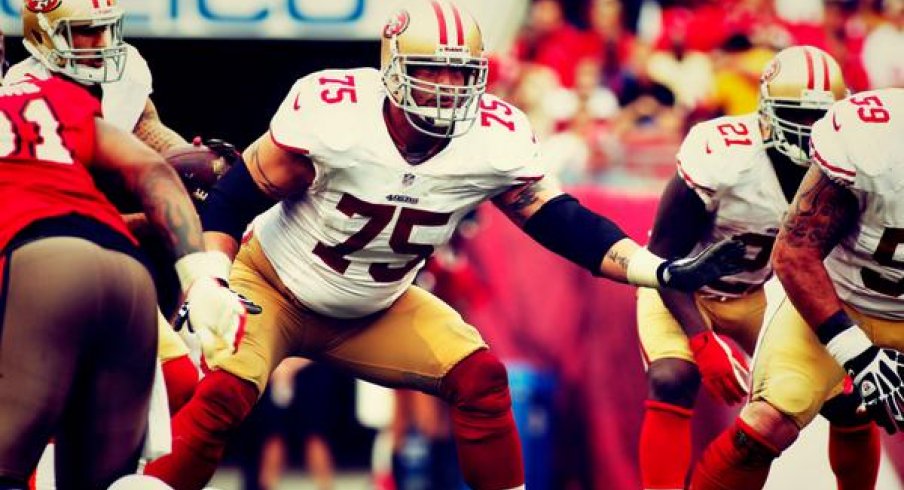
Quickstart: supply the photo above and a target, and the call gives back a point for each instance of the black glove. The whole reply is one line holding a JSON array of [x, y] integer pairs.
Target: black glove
[[691, 273], [225, 150], [877, 375]]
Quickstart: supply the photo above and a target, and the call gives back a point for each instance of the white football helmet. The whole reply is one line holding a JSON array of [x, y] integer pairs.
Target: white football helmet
[[434, 33], [47, 35], [798, 85]]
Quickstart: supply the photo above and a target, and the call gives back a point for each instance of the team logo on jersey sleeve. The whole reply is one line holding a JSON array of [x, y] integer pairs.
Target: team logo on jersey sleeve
[[42, 6], [396, 24]]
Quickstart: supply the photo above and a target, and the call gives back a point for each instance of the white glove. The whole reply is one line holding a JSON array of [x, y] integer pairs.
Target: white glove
[[877, 373], [212, 310]]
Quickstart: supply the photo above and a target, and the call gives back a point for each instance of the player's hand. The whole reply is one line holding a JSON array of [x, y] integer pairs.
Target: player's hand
[[877, 375], [227, 151], [691, 273], [724, 370], [217, 315]]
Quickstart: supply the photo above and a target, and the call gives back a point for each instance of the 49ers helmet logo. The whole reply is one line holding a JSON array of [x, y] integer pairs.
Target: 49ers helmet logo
[[396, 24], [772, 70], [42, 6]]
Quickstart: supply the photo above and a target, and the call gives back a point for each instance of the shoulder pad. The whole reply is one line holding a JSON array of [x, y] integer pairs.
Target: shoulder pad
[[322, 110], [137, 70], [29, 67], [503, 133]]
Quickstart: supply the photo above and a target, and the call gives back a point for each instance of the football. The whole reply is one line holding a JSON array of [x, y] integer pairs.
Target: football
[[198, 166]]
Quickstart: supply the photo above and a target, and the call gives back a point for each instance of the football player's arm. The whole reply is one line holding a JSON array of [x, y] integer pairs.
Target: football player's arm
[[216, 312], [821, 213], [145, 173], [681, 220], [820, 216], [266, 175], [151, 130], [561, 224]]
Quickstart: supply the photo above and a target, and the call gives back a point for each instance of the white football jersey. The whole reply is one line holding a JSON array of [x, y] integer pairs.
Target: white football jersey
[[123, 101], [724, 161], [355, 241], [860, 144]]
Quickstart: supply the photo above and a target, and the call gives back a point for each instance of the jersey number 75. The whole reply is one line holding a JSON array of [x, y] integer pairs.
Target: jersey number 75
[[380, 216]]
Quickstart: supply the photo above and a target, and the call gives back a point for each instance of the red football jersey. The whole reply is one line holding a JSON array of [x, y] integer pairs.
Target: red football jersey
[[47, 134]]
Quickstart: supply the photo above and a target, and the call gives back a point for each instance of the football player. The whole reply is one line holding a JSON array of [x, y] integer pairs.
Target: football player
[[836, 258], [361, 175], [82, 40], [77, 305], [736, 176]]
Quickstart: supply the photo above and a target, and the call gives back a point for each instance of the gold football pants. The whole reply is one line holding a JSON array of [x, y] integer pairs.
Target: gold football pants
[[412, 344]]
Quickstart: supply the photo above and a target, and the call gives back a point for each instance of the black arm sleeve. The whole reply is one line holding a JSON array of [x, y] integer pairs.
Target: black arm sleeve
[[569, 229], [233, 202]]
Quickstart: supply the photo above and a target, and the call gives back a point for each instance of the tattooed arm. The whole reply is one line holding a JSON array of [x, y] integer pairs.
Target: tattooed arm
[[144, 172], [151, 130], [561, 224], [268, 174], [522, 203], [279, 173], [821, 214]]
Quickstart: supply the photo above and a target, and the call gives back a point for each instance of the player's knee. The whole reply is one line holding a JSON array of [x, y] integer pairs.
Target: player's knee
[[674, 381], [479, 383], [841, 411], [225, 401], [794, 395], [769, 425]]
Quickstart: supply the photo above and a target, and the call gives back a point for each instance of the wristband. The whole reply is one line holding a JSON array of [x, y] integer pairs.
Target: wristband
[[646, 269], [202, 264], [843, 339]]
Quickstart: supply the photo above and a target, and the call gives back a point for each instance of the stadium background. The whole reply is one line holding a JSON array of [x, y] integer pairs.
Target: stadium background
[[611, 88]]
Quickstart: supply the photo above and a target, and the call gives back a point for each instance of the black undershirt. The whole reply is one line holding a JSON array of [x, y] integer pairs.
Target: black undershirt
[[789, 173]]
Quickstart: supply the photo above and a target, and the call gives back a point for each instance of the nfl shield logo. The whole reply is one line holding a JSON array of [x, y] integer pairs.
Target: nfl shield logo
[[407, 179]]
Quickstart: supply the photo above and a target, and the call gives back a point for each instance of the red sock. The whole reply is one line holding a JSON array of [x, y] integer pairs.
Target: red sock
[[489, 451], [181, 378], [854, 453], [665, 445], [201, 430], [739, 459]]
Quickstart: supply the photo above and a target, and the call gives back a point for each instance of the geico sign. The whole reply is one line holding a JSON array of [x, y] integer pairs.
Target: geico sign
[[297, 19], [297, 10], [169, 17]]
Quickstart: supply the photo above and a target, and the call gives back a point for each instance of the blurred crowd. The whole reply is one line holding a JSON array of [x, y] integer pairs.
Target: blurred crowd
[[612, 86]]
